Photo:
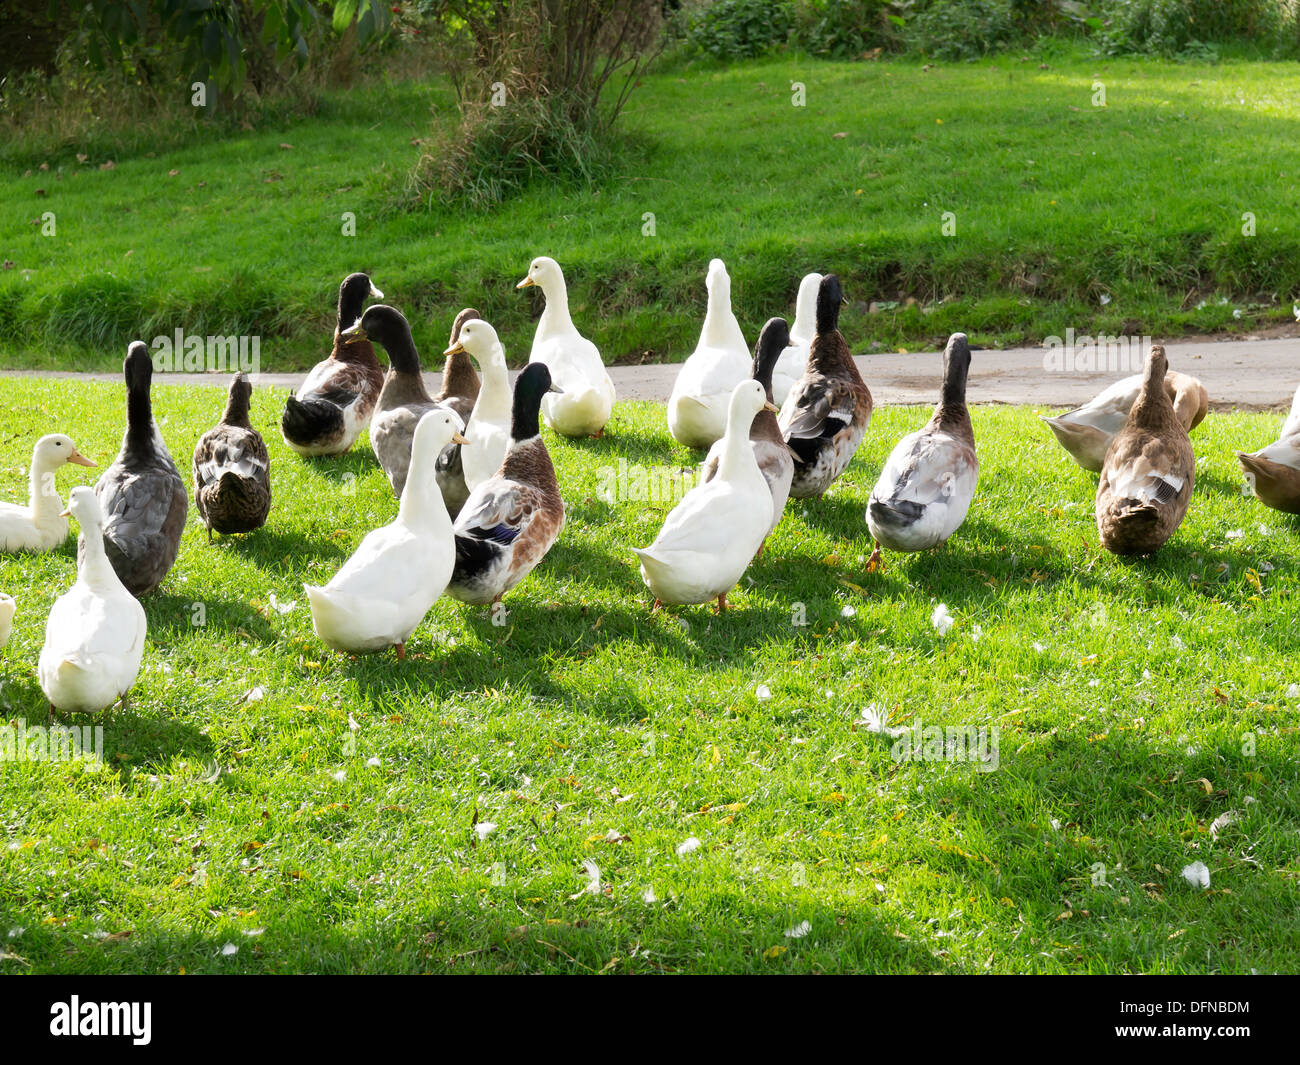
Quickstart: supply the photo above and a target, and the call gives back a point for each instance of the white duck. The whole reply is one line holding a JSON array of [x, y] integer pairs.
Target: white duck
[[94, 638], [488, 428], [697, 408], [929, 479], [397, 573], [40, 526], [587, 400], [714, 532], [790, 366], [7, 609]]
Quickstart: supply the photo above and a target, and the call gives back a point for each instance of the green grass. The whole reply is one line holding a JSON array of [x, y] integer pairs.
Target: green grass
[[587, 715], [1057, 204]]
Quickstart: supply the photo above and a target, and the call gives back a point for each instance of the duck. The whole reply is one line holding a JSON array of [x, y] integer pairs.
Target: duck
[[928, 481], [94, 637], [829, 408], [710, 537], [142, 498], [7, 610], [774, 458], [40, 526], [1147, 476], [382, 593], [488, 428], [697, 408], [1086, 432], [584, 407], [510, 520], [790, 366], [232, 471], [404, 400], [1274, 471], [336, 400], [459, 392]]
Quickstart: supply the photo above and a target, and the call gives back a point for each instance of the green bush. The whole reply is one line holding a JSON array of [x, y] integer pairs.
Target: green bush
[[741, 29], [1174, 27], [845, 29], [962, 29]]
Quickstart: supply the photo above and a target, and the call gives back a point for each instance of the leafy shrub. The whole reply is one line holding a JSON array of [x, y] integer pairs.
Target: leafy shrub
[[1174, 27], [741, 29], [845, 29], [962, 29]]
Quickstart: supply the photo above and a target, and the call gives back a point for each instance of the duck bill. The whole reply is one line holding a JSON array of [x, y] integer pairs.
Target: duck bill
[[556, 388], [375, 293], [456, 349], [65, 513], [768, 405], [80, 459], [458, 438], [526, 282]]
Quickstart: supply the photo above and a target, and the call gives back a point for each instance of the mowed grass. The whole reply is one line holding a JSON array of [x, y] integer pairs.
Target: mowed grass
[[1131, 216], [327, 826]]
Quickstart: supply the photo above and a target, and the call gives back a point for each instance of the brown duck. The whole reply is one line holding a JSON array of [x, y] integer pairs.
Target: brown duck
[[459, 392], [232, 471], [827, 411], [336, 400], [1147, 475]]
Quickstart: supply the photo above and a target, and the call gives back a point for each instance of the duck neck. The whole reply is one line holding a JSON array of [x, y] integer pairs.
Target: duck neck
[[1153, 406], [737, 456], [237, 410], [555, 318], [459, 378], [96, 570], [43, 494], [720, 325], [422, 507], [494, 397], [140, 429]]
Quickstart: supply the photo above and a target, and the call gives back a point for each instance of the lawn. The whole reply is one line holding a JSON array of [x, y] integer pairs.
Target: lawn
[[324, 823], [1124, 217]]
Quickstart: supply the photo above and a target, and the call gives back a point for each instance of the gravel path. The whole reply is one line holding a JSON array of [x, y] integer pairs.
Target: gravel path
[[1246, 374]]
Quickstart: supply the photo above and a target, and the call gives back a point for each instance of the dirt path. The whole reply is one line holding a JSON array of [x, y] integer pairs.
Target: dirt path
[[1246, 374]]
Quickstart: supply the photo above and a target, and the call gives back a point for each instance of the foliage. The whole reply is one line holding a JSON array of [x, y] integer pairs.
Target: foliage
[[845, 29], [741, 29], [1187, 27], [539, 86], [221, 39]]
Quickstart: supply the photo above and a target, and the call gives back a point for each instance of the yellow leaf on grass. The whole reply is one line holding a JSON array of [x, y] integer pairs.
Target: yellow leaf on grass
[[773, 952]]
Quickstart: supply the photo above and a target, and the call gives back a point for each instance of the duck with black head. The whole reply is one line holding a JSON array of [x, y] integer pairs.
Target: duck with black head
[[403, 400], [141, 495], [511, 520], [338, 397], [928, 481], [232, 471], [1147, 475], [829, 408]]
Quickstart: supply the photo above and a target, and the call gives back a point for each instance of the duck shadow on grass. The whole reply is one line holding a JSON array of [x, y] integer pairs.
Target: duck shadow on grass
[[136, 730], [270, 548], [171, 616], [440, 934]]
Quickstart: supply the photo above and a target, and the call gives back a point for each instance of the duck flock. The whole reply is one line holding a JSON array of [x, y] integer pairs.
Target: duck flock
[[479, 503]]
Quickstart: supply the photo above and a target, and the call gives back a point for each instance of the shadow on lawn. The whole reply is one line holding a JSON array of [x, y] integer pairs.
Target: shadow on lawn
[[727, 932]]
